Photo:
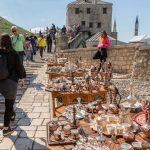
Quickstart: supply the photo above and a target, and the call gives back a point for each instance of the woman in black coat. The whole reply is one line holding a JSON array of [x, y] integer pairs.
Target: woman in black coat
[[13, 70]]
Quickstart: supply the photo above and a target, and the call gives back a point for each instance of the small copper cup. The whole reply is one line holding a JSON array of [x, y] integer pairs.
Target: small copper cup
[[57, 135], [75, 134]]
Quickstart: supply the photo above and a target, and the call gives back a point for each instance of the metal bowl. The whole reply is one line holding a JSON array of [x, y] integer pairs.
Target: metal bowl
[[146, 129], [129, 136], [137, 145], [125, 146]]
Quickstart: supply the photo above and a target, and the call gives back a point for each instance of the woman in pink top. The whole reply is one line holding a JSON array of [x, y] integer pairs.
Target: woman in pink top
[[103, 45]]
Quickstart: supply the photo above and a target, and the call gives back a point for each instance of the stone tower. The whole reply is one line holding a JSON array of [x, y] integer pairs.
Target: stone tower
[[115, 26], [136, 26], [91, 15], [114, 33]]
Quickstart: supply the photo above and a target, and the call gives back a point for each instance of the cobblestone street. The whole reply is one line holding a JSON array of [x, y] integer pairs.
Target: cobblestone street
[[33, 112]]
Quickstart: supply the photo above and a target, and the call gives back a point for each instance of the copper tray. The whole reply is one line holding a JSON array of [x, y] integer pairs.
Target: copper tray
[[140, 118], [65, 139]]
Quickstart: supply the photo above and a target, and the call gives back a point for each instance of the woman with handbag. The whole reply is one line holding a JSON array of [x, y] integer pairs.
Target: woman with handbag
[[11, 70], [104, 43], [102, 47], [101, 54]]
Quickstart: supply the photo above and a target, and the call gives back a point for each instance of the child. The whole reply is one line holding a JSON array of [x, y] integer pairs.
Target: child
[[28, 50]]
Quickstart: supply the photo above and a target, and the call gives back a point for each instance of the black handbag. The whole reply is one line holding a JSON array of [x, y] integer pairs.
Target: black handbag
[[97, 55]]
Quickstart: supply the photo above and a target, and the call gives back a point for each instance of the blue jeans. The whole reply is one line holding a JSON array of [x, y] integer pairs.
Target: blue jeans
[[34, 49], [28, 56], [21, 54]]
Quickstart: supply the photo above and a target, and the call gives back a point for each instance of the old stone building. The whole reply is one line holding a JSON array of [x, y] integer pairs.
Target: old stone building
[[92, 15]]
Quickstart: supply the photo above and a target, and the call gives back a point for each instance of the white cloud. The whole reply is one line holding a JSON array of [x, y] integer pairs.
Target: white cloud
[[37, 29], [5, 17]]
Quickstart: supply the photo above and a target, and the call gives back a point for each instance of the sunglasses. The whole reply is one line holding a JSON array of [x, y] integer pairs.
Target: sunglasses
[[14, 31]]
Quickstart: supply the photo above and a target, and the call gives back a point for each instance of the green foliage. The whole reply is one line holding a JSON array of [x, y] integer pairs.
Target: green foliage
[[5, 27]]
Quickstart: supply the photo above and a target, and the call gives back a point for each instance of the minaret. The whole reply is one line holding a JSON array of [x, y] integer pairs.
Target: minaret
[[136, 26], [114, 33], [115, 26]]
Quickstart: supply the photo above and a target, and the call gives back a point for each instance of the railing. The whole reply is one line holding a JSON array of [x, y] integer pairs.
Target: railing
[[75, 42]]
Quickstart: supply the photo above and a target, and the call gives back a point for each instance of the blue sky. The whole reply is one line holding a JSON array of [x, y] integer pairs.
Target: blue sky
[[41, 13]]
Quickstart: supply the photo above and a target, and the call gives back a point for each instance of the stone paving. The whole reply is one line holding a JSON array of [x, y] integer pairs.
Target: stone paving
[[33, 112]]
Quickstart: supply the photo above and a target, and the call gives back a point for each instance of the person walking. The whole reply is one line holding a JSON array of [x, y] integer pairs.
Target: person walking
[[41, 44], [63, 31], [33, 40], [28, 50], [18, 41], [53, 28], [49, 41], [11, 70]]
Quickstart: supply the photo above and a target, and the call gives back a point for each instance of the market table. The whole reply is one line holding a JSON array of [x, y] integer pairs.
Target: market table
[[85, 125], [54, 64], [68, 97], [112, 146], [53, 75]]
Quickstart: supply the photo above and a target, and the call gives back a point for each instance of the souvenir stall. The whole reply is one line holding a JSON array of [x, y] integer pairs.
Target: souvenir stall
[[98, 126], [91, 115]]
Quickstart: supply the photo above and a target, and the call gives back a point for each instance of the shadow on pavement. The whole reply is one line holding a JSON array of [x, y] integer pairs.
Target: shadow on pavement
[[23, 136]]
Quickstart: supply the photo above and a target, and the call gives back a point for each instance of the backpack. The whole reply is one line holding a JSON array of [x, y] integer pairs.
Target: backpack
[[49, 38], [4, 73]]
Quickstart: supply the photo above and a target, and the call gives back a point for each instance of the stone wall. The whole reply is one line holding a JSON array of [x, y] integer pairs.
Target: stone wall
[[128, 59], [61, 43], [141, 65], [121, 56]]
